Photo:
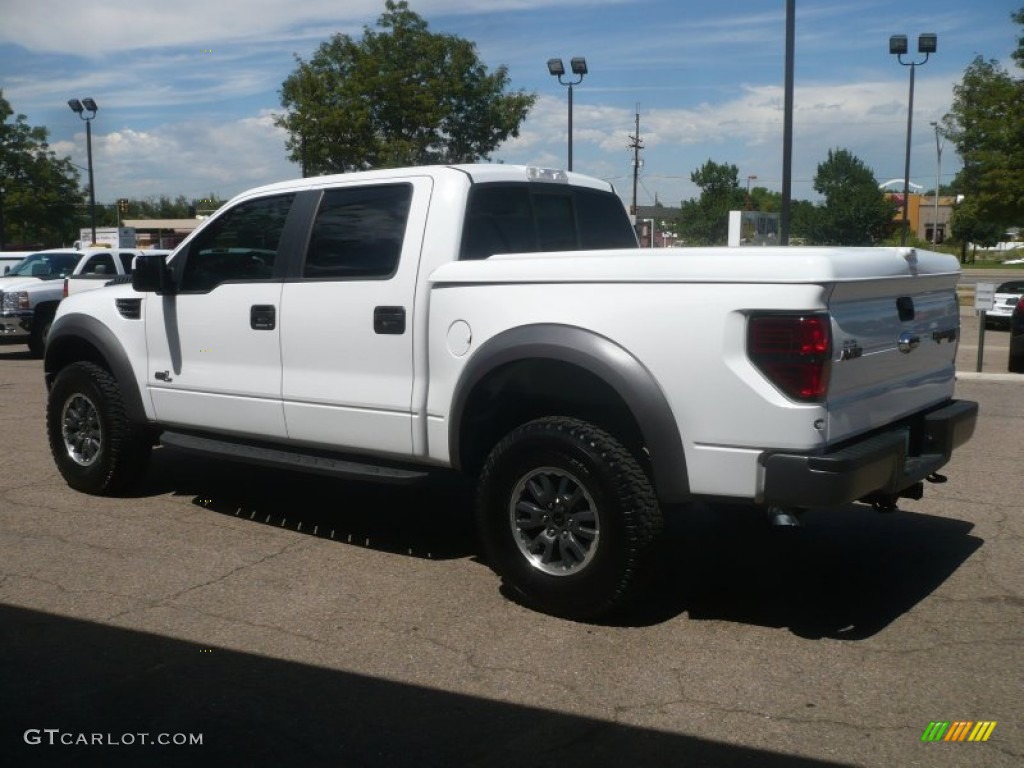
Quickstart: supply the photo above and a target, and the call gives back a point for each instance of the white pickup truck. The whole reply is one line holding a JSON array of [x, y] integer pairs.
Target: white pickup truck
[[31, 291], [501, 322]]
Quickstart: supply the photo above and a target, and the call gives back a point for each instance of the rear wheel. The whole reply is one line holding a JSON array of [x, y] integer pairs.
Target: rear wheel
[[568, 518], [95, 445]]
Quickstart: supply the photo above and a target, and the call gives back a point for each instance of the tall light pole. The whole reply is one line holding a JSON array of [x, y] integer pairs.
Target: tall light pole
[[86, 109], [787, 125], [927, 44], [938, 182], [578, 64]]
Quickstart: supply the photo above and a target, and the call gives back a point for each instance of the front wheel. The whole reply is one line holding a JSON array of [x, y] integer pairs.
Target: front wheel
[[39, 335], [568, 518], [95, 445]]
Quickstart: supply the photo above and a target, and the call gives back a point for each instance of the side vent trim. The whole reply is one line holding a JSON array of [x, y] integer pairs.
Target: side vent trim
[[130, 309]]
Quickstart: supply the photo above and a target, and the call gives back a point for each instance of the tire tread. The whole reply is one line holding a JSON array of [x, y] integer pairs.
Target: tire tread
[[125, 451], [642, 523]]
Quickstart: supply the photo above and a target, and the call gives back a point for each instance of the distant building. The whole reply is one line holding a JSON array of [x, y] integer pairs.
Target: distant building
[[922, 216], [663, 218], [161, 233]]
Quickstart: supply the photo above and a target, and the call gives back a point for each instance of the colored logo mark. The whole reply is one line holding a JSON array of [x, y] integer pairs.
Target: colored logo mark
[[958, 730]]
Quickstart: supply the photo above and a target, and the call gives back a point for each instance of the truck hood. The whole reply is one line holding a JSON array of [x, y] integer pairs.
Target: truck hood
[[711, 265], [13, 283]]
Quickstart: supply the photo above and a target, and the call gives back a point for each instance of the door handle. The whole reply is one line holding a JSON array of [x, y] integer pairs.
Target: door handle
[[263, 317], [389, 320]]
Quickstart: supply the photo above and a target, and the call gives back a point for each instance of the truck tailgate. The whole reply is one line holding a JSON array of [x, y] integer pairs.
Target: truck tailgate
[[894, 349]]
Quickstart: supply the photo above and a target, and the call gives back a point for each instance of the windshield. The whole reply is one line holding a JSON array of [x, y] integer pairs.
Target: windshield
[[46, 265]]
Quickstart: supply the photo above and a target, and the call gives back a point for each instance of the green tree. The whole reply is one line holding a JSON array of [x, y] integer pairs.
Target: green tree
[[40, 191], [705, 220], [855, 210], [763, 199], [803, 218], [986, 125], [401, 95], [971, 228], [164, 207]]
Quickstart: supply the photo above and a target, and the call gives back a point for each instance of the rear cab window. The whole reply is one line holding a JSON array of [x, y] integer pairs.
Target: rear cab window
[[527, 218]]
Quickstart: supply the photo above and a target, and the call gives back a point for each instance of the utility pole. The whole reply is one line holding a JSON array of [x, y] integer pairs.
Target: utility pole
[[636, 144]]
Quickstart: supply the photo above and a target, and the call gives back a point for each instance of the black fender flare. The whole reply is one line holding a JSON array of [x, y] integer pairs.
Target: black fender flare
[[607, 360], [69, 332]]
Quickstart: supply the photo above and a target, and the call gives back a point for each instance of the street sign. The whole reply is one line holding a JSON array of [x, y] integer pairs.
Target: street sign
[[984, 294]]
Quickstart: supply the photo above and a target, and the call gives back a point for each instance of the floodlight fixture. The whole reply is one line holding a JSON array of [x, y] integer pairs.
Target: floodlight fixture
[[898, 45], [86, 109], [556, 68]]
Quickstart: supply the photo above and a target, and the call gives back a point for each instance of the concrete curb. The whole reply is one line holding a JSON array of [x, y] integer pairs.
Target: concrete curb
[[972, 376]]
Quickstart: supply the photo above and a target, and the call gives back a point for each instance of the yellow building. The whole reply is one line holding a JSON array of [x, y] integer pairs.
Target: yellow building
[[924, 217]]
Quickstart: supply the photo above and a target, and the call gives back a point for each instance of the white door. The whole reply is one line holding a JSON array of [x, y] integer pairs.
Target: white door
[[346, 331], [215, 345]]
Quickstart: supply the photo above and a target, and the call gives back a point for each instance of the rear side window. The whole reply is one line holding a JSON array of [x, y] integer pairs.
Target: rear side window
[[100, 264], [525, 218], [358, 232]]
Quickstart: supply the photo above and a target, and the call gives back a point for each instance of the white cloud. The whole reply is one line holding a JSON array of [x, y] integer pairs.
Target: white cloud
[[193, 158], [867, 118], [96, 28]]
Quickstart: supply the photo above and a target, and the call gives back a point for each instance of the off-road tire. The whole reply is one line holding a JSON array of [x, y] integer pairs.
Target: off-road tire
[[607, 506], [95, 445]]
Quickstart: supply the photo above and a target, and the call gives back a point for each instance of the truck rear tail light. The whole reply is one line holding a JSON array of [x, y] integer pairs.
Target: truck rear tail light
[[65, 287], [793, 353]]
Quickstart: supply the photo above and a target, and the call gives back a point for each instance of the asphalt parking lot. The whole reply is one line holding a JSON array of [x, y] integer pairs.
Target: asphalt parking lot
[[290, 620]]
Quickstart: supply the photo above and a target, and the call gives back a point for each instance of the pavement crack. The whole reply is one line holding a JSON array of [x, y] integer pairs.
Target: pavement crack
[[170, 598]]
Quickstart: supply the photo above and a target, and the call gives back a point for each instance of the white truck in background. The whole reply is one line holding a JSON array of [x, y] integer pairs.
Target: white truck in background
[[32, 290], [500, 322], [10, 259]]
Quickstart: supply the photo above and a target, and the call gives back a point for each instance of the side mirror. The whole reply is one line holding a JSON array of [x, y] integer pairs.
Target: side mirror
[[151, 275]]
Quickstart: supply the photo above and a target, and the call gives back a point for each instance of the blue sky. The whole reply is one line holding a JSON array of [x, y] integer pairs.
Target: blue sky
[[187, 89]]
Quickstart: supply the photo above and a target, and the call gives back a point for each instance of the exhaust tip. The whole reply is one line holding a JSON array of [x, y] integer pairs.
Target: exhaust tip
[[783, 518]]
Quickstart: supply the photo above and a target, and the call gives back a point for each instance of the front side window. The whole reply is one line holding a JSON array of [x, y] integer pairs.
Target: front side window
[[240, 244], [358, 232], [46, 265]]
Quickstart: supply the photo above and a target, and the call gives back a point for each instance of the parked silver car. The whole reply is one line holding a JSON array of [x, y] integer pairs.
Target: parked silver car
[[1006, 298]]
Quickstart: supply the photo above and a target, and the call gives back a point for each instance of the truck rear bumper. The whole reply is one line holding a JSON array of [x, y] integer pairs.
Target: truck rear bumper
[[882, 463]]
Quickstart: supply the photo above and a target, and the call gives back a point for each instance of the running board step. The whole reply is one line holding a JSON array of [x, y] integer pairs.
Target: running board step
[[287, 459]]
